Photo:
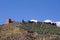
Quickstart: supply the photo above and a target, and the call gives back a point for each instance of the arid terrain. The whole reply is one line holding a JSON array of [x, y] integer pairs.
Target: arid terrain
[[29, 31]]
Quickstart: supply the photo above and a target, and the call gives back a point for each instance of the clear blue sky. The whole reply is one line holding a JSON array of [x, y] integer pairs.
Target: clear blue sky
[[29, 9]]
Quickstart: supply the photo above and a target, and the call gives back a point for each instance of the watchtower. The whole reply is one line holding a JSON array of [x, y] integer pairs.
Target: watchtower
[[8, 21]]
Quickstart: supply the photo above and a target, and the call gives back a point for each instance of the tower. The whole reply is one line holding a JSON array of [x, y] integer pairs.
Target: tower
[[8, 21]]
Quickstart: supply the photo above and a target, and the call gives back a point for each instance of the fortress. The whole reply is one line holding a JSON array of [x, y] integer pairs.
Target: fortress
[[8, 21]]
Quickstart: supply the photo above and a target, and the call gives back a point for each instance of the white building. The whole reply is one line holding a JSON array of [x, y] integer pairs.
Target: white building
[[33, 20], [47, 21], [57, 24]]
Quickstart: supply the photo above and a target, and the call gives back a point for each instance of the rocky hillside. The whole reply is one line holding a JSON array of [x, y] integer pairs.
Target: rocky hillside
[[29, 31]]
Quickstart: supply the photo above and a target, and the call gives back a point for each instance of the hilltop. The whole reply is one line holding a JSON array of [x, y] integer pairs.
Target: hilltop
[[29, 31]]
